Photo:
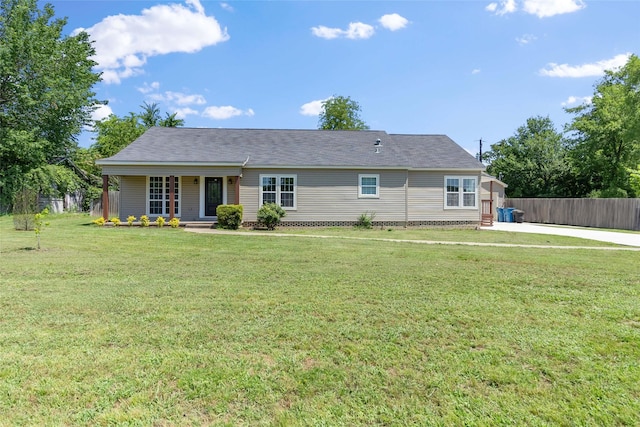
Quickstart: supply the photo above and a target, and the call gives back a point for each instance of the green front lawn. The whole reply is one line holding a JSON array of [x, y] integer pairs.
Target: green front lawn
[[147, 326]]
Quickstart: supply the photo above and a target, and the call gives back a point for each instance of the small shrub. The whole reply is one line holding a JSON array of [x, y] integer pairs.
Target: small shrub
[[25, 206], [160, 221], [115, 221], [99, 221], [229, 216], [130, 220], [174, 222], [365, 221], [39, 223], [270, 214], [144, 221]]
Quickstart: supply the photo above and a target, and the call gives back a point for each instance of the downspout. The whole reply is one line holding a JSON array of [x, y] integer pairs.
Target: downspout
[[238, 180], [406, 200]]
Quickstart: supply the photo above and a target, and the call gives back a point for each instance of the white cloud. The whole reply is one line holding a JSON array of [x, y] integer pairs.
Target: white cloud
[[326, 32], [502, 8], [360, 30], [182, 113], [547, 8], [184, 99], [540, 8], [393, 21], [123, 43], [101, 113], [595, 69], [173, 99], [574, 100], [476, 71], [227, 7], [148, 88], [312, 108], [356, 30], [526, 39], [225, 112]]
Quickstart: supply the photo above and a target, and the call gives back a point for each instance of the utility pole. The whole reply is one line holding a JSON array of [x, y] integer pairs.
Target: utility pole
[[480, 153]]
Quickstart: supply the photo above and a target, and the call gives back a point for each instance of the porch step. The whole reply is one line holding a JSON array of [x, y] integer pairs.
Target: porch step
[[200, 224]]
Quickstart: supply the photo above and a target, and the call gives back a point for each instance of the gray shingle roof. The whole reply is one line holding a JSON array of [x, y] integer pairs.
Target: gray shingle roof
[[296, 148]]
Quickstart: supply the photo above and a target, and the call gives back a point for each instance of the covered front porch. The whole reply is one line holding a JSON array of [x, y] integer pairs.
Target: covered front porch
[[188, 197]]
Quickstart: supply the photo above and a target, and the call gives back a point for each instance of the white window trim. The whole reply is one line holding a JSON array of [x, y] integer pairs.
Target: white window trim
[[278, 191], [461, 192], [368, 196], [165, 179]]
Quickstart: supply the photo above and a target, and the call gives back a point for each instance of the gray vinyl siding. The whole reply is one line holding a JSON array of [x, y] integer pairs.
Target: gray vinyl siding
[[133, 192], [426, 198], [189, 198], [321, 194], [133, 196], [330, 195]]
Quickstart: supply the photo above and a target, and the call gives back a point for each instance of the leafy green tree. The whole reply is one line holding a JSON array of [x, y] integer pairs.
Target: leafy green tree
[[532, 162], [341, 113], [171, 121], [46, 96], [606, 134], [634, 179], [114, 133], [150, 115]]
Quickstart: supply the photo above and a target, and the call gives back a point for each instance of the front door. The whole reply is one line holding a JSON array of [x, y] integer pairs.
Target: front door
[[212, 195]]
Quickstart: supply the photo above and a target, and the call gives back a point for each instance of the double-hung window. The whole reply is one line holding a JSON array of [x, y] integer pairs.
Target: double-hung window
[[460, 192], [368, 186], [280, 189], [158, 194]]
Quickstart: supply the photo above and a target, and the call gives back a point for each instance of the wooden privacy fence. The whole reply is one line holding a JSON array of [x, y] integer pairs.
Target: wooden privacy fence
[[114, 205], [621, 214]]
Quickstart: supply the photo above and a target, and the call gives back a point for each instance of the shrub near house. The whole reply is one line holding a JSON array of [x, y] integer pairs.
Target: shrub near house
[[229, 216], [270, 214]]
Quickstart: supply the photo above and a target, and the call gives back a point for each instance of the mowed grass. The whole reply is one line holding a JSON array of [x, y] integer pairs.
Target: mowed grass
[[444, 234], [119, 326]]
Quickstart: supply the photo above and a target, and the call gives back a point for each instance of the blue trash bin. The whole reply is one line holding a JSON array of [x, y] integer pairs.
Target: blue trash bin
[[500, 214], [508, 215]]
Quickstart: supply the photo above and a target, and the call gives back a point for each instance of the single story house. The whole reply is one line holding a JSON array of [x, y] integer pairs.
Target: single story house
[[319, 177]]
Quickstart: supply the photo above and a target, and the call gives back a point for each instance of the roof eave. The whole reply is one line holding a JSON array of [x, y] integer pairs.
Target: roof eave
[[157, 163]]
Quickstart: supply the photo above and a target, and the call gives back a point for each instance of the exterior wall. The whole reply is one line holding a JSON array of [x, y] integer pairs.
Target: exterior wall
[[498, 195], [322, 196], [133, 197], [330, 195], [190, 198], [426, 199]]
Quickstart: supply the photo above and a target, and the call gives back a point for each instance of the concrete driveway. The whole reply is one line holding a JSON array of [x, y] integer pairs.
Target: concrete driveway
[[628, 239]]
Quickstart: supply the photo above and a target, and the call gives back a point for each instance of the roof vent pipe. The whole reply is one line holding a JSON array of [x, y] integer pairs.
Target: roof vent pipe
[[378, 144]]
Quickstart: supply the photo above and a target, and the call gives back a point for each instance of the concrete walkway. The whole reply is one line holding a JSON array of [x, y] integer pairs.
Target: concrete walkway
[[633, 245], [621, 238]]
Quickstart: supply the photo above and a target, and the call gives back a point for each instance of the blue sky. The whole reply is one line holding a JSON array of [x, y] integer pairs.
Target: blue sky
[[467, 69]]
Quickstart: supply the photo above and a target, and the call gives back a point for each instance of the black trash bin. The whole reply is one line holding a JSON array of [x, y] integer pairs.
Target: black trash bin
[[518, 216]]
